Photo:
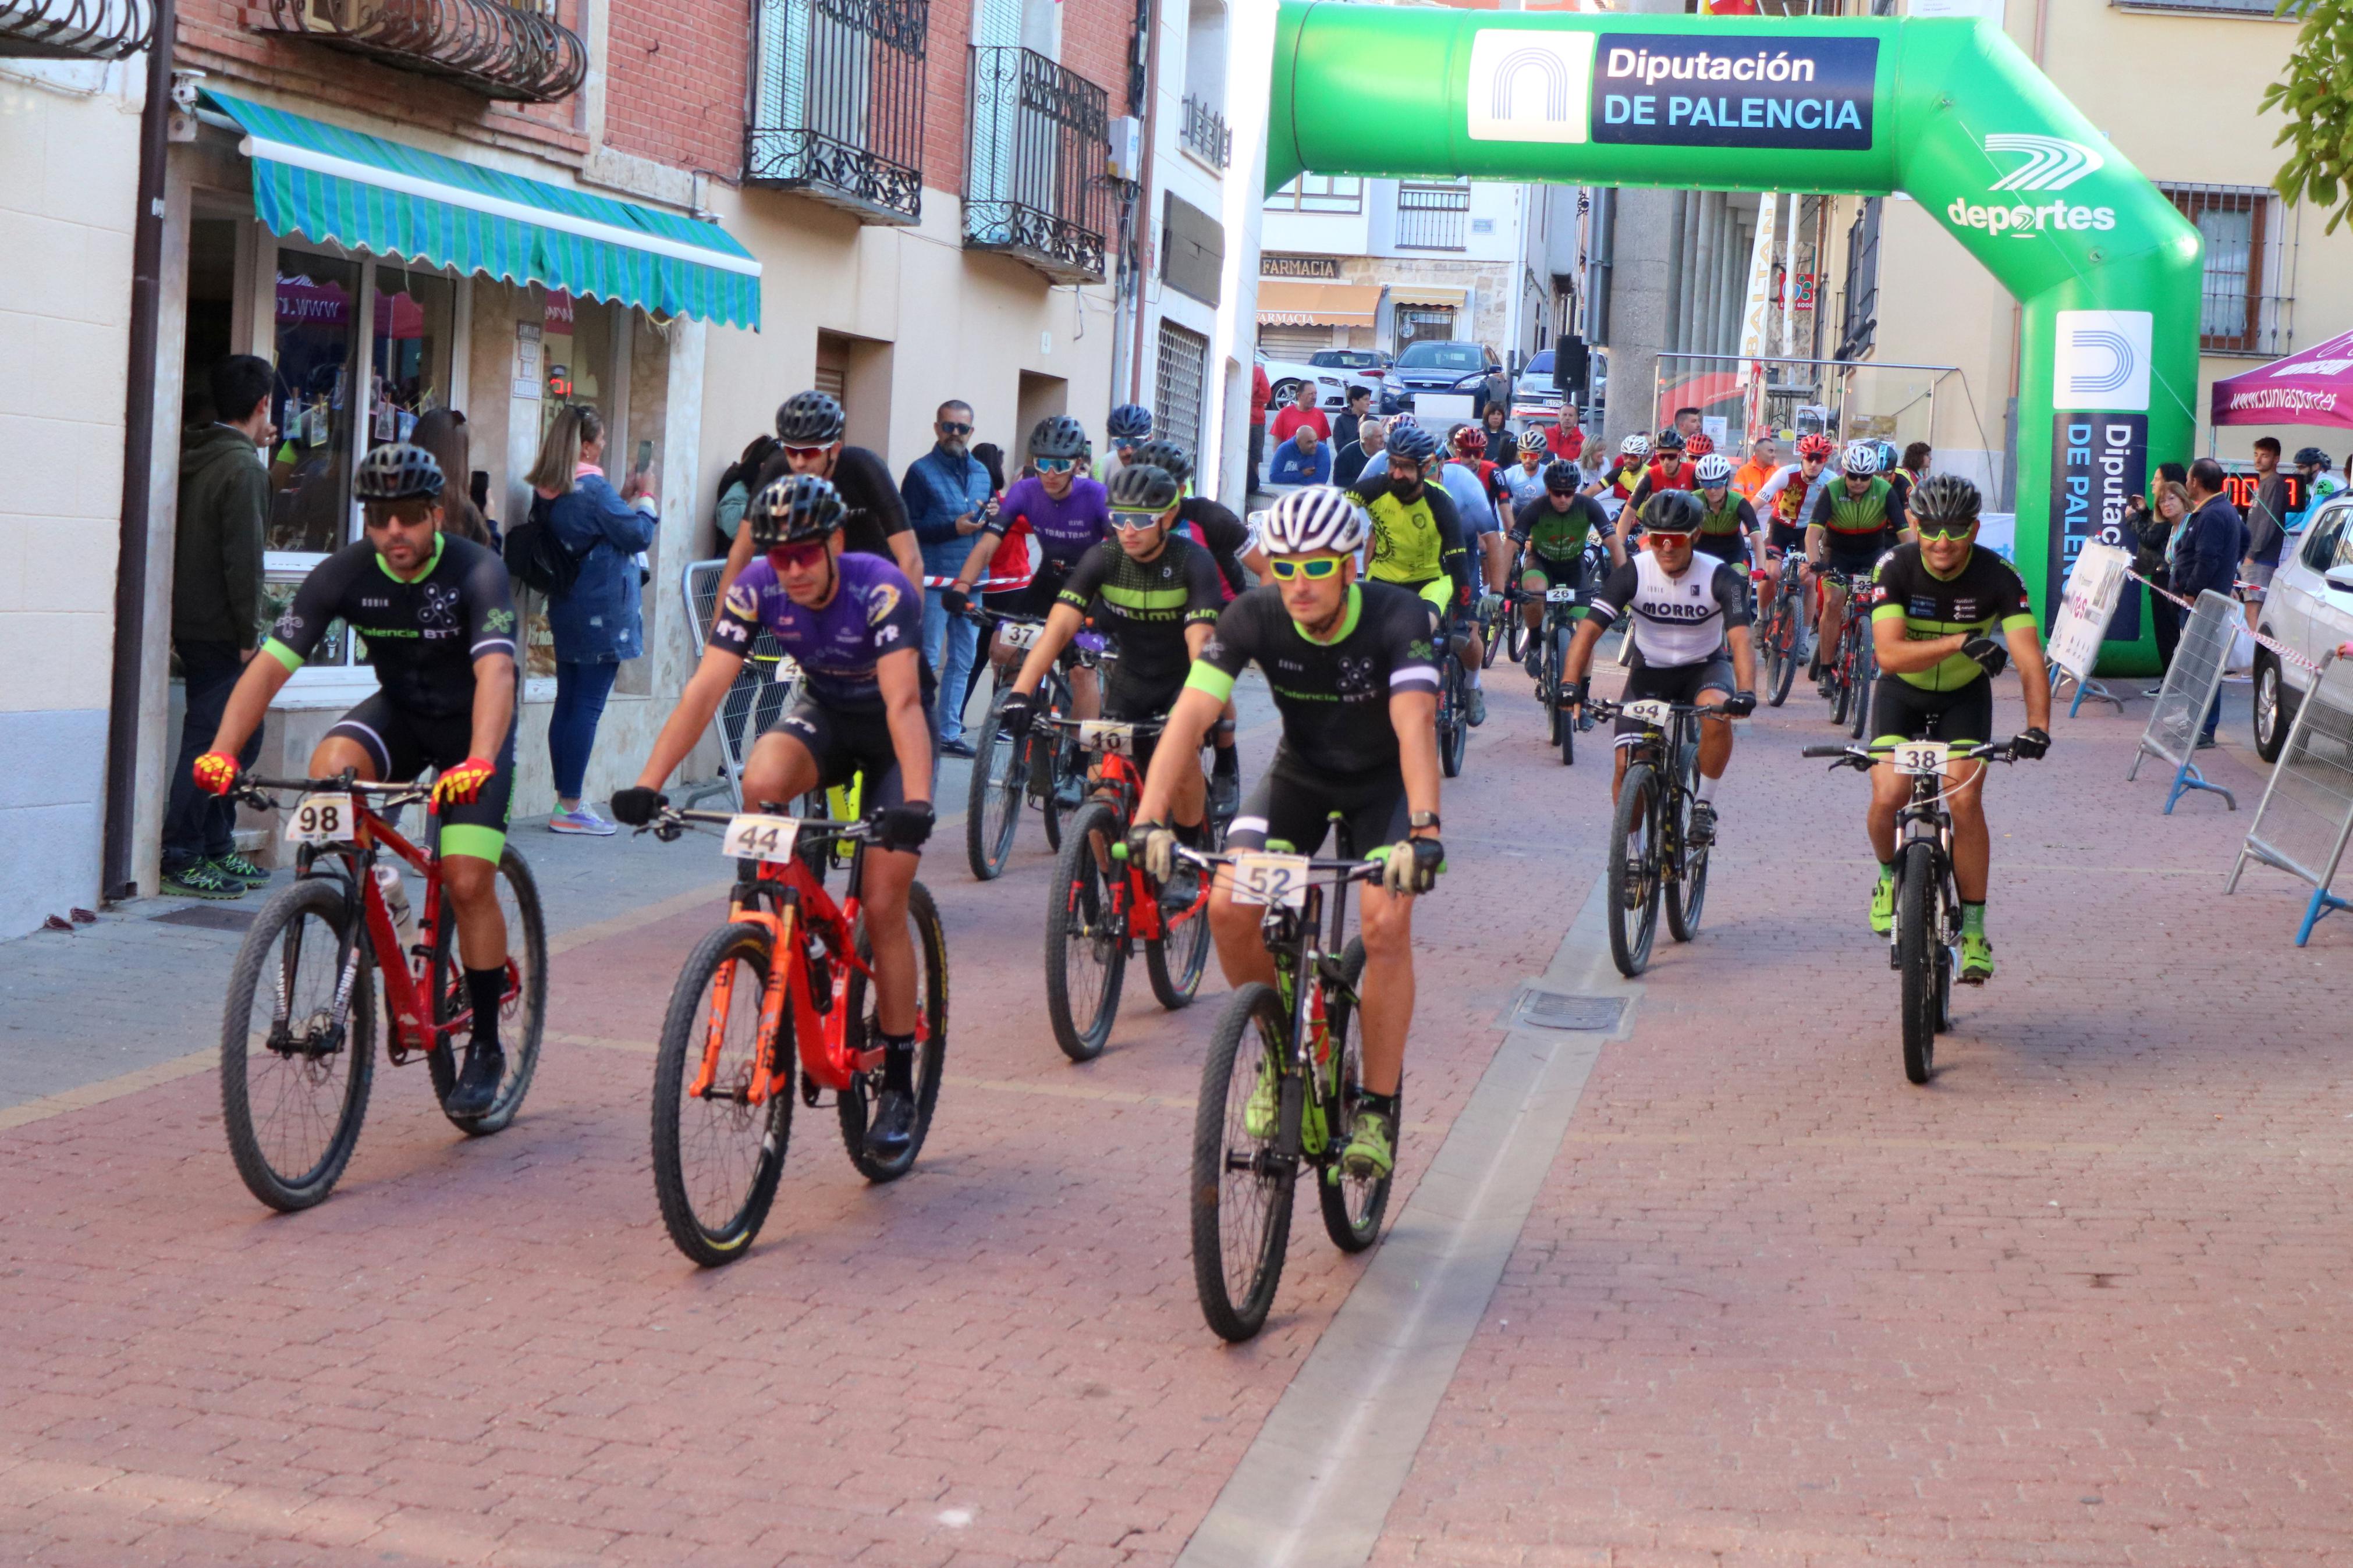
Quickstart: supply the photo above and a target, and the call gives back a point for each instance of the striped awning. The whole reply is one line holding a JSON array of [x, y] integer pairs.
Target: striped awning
[[1285, 302], [388, 198]]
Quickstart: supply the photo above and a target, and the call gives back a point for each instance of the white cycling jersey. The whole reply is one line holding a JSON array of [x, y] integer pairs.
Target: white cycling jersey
[[1678, 620]]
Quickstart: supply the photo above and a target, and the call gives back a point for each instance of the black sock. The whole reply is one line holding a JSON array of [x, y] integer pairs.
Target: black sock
[[1228, 761], [1188, 834], [898, 1063], [1383, 1104], [483, 989]]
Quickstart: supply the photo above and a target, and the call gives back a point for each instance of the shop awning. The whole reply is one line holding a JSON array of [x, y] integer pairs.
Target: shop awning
[[365, 192], [1427, 294], [1287, 303]]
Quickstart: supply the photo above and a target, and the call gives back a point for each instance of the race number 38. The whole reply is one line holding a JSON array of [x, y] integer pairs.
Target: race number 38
[[1921, 757], [752, 836], [320, 819], [1270, 880]]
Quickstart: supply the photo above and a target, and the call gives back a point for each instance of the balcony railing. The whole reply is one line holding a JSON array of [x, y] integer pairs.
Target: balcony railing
[[516, 51], [839, 104], [75, 29], [1431, 217], [1035, 186], [1203, 131]]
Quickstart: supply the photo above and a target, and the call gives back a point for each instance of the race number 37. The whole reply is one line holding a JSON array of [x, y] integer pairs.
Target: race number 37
[[320, 819]]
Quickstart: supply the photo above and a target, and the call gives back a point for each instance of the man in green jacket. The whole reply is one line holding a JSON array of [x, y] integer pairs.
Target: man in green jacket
[[216, 616]]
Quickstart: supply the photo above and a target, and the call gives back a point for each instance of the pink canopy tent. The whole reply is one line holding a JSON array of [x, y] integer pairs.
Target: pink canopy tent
[[2314, 388]]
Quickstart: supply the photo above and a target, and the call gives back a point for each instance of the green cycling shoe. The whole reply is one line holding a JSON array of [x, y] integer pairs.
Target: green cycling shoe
[[1883, 905], [1977, 958], [1371, 1152]]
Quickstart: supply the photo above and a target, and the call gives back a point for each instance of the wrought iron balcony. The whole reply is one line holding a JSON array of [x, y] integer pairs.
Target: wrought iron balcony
[[75, 29], [1203, 130], [1431, 217], [1034, 182], [838, 104], [517, 51]]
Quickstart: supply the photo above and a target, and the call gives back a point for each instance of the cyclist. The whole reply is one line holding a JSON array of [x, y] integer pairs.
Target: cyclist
[[1159, 592], [1068, 513], [874, 514], [1227, 538], [1470, 481], [1350, 666], [1523, 481], [1690, 611], [854, 622], [1786, 497], [1854, 523], [1128, 424], [1698, 445], [438, 616], [1617, 481], [1419, 539], [1550, 532], [1667, 470], [1727, 526], [1940, 604]]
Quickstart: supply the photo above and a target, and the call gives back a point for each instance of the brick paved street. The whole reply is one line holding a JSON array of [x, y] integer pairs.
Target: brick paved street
[[2076, 1301]]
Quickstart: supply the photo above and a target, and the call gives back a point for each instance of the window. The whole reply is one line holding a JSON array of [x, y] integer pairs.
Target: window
[[2330, 546], [1176, 386], [1320, 194], [2242, 311], [1417, 327], [1862, 323], [1431, 217]]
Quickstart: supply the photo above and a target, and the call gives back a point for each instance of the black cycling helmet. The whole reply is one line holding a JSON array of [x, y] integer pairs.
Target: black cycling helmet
[[809, 419], [1413, 442], [1561, 477], [1668, 440], [1673, 512], [1059, 436], [1168, 455], [397, 471], [1946, 499], [1142, 486], [793, 511], [2312, 457], [1129, 422]]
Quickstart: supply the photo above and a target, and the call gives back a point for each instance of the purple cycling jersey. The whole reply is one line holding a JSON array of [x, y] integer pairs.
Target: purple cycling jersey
[[872, 612], [1066, 529]]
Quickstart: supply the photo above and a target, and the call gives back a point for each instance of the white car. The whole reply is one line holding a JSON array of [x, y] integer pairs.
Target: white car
[[2310, 610], [1331, 383]]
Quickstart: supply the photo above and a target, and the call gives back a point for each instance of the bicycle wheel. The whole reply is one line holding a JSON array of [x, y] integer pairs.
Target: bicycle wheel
[[1353, 1205], [522, 1009], [294, 1081], [1865, 669], [717, 1157], [1916, 938], [1242, 1187], [1566, 739], [1783, 642], [1053, 759], [1841, 686], [1453, 733], [1491, 637], [855, 1102], [1518, 636], [1174, 963], [1086, 934], [1634, 873], [1000, 776], [1687, 892]]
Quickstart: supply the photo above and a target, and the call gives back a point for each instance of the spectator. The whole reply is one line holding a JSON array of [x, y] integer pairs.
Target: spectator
[[1564, 439], [1502, 446], [2312, 467], [1302, 461], [736, 484], [216, 617], [601, 621], [2206, 553], [2266, 526], [1687, 422], [1764, 462], [1262, 394], [1350, 461], [2156, 526], [1347, 427], [1916, 460], [1302, 410], [949, 499], [443, 434]]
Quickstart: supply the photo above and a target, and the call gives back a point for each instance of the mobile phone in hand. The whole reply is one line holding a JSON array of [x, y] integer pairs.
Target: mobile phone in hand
[[645, 456]]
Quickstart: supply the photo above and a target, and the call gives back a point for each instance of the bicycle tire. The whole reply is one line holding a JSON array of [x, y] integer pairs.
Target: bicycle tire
[[931, 1043], [1518, 647], [1786, 641], [1864, 665], [324, 900], [1686, 894], [993, 796], [1080, 911], [1915, 879], [1353, 1206], [1223, 1197], [1633, 880], [1049, 808], [1453, 731], [522, 1015], [1491, 637], [1841, 691], [758, 1134], [1175, 964]]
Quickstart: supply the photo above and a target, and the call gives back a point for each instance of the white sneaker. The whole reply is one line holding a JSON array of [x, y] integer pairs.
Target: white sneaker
[[581, 819]]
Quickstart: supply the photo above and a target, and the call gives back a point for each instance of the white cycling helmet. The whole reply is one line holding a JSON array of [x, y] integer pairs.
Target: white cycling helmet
[[1713, 471], [1317, 517], [1860, 460], [1635, 446]]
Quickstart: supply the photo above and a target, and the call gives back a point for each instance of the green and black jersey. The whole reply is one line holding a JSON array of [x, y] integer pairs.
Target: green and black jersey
[[1333, 696], [1147, 604], [1560, 535], [422, 635], [1876, 510], [1984, 594]]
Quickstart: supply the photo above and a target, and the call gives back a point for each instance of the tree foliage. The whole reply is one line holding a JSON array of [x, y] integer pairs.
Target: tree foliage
[[2316, 93]]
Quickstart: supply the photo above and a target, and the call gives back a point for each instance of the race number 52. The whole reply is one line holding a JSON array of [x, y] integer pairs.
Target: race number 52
[[1260, 879]]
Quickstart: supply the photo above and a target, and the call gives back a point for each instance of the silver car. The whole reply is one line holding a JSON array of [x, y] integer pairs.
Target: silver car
[[2309, 609]]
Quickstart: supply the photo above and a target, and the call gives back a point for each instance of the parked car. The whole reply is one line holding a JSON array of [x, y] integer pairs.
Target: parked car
[[1331, 383], [1533, 387], [1374, 364], [2310, 610], [1433, 364]]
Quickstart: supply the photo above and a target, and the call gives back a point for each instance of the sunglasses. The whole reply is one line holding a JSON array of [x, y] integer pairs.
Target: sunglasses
[[797, 557], [1813, 462], [1125, 443], [1285, 569], [949, 428], [807, 452], [1134, 521], [1956, 531], [1056, 465], [1667, 535]]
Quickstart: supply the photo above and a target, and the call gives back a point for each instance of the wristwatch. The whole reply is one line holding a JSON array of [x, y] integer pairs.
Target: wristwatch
[[1421, 819]]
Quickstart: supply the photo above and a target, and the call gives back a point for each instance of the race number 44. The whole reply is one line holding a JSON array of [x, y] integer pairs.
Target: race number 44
[[752, 836]]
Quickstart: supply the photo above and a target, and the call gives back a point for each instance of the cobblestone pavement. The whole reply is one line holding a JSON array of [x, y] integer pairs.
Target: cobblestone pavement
[[2070, 1302]]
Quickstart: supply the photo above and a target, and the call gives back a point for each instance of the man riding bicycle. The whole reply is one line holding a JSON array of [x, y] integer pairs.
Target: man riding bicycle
[[1690, 611], [1854, 523], [1616, 481], [1550, 533], [1784, 501], [1068, 513], [1668, 469], [1214, 527], [809, 426], [1351, 669], [854, 625], [1938, 603], [1523, 481], [1420, 541], [1470, 482], [437, 614], [1727, 524]]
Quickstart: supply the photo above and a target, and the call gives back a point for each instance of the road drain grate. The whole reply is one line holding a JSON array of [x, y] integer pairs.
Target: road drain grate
[[1560, 1010]]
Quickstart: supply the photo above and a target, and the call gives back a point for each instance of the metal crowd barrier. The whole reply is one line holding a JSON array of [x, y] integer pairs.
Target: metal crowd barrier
[[762, 688], [2191, 683], [2307, 813]]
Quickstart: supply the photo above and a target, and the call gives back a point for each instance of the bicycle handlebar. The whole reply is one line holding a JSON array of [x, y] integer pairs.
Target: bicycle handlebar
[[1139, 726], [673, 822], [1862, 759], [1604, 708], [252, 789], [1338, 870]]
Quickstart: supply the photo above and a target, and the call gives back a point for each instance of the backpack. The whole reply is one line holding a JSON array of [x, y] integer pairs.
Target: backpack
[[537, 558]]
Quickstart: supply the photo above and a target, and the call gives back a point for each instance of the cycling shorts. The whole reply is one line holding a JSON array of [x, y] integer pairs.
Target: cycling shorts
[[1295, 804], [403, 744], [1903, 712], [845, 744], [1678, 683], [1856, 554], [1786, 537], [1133, 702], [1035, 601], [1538, 573]]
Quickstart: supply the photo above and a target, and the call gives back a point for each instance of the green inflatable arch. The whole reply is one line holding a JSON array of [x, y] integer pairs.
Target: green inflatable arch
[[1947, 111]]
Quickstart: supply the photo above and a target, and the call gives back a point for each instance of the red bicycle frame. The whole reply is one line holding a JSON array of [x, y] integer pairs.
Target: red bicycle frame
[[1118, 782]]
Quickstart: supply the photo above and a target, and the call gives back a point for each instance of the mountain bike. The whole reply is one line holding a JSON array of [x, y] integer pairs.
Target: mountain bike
[[298, 1035], [1099, 906], [1453, 684], [1853, 666], [1007, 774], [1927, 903], [1563, 608], [783, 989], [1782, 639], [1299, 1035], [1651, 858]]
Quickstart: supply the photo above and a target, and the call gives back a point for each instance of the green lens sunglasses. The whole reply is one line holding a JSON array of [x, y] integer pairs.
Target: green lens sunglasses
[[1285, 569]]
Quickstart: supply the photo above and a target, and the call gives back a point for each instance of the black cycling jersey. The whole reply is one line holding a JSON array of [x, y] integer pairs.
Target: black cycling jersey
[[1147, 604], [1333, 696], [1225, 535], [1984, 594], [872, 508], [1560, 535], [422, 636]]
